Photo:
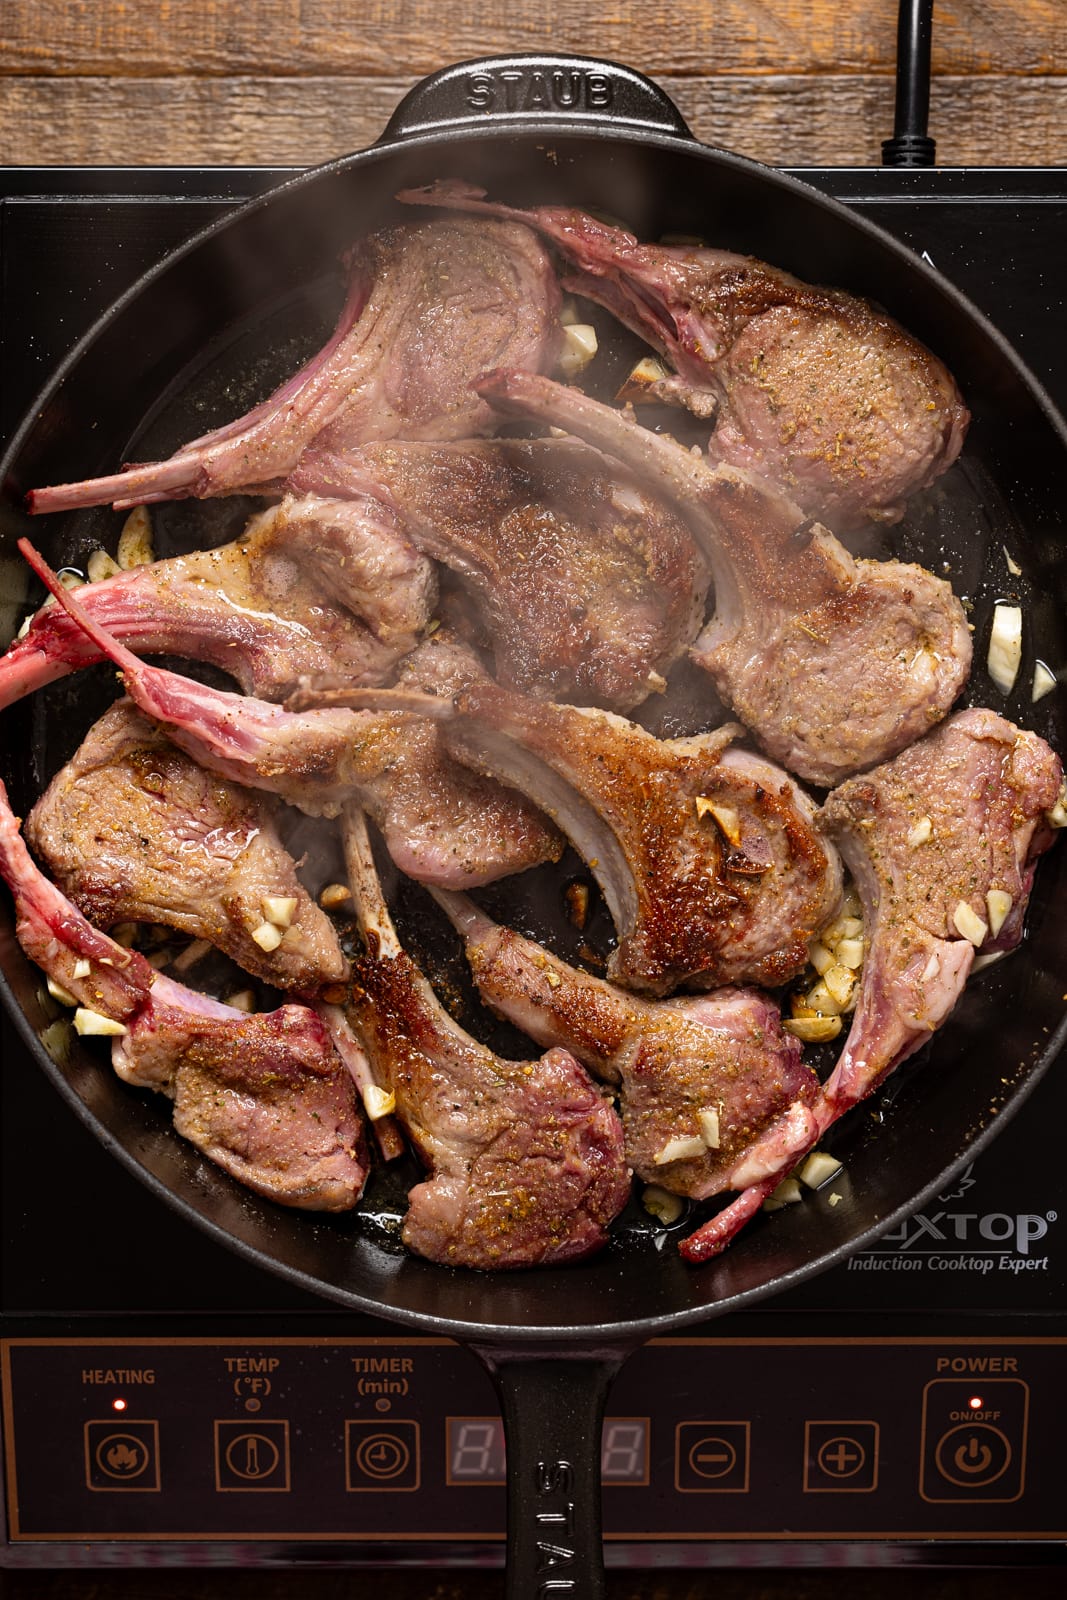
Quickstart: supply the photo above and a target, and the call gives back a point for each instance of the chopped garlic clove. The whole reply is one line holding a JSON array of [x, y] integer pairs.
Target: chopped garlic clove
[[579, 348], [279, 909], [100, 565], [335, 895], [57, 991], [817, 1169], [850, 954], [787, 1193], [822, 1001], [268, 936], [82, 968], [1056, 815], [998, 904], [709, 1126], [920, 833], [242, 1000], [726, 818], [1005, 646], [645, 376], [662, 1204], [135, 540], [1044, 681], [813, 1030], [820, 957], [840, 983], [378, 1102], [845, 926], [969, 924], [90, 1022], [679, 1150], [194, 952]]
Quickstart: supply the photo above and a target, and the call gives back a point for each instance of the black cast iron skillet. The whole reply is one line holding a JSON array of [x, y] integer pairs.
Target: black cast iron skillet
[[215, 327]]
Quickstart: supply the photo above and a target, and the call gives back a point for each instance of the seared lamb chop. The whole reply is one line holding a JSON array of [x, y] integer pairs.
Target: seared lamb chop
[[816, 389], [794, 612], [526, 1158], [132, 830], [427, 309], [707, 856], [311, 586], [712, 1093], [264, 1096], [442, 825], [942, 842], [589, 589]]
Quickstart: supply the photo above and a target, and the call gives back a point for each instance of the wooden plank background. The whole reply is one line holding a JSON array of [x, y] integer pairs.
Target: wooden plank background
[[136, 82]]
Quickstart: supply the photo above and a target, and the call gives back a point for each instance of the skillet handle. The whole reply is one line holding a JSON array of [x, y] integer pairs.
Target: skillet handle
[[553, 1409], [494, 92]]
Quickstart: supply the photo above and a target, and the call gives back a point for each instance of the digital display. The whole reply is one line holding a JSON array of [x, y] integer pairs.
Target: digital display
[[476, 1450]]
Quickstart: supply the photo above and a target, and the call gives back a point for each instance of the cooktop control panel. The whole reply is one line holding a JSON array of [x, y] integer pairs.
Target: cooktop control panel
[[399, 1439]]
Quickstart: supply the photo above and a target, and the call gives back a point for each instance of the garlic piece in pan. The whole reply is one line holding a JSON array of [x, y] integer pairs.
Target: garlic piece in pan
[[968, 923], [90, 1022], [1005, 646], [135, 547]]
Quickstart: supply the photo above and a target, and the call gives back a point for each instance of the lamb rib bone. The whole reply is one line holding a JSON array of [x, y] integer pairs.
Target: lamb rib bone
[[951, 820], [526, 1158], [711, 1090], [264, 1096], [427, 309], [132, 830], [794, 611], [707, 856], [319, 759], [816, 389], [589, 588], [311, 586]]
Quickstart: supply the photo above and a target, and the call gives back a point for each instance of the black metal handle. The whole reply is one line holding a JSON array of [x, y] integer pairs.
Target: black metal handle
[[559, 88], [553, 1409], [911, 146]]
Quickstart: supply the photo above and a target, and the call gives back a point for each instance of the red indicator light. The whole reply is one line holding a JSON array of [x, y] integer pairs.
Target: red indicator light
[[118, 1405], [975, 1402]]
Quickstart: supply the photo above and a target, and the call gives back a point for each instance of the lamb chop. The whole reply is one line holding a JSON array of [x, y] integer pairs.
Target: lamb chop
[[264, 1095], [794, 610], [707, 856], [942, 842], [589, 589], [441, 824], [427, 309], [712, 1093], [526, 1158], [311, 586], [818, 390], [132, 830]]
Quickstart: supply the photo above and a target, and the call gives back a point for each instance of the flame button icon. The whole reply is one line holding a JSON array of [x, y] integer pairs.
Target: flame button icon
[[122, 1458]]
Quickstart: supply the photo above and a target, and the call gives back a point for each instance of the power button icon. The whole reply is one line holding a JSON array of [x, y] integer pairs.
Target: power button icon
[[973, 1454], [974, 1440]]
